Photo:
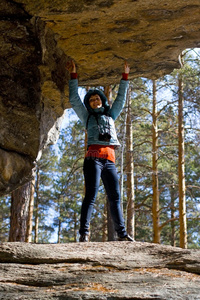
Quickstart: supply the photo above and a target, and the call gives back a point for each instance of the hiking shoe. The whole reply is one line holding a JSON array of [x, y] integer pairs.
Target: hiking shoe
[[126, 238], [84, 238]]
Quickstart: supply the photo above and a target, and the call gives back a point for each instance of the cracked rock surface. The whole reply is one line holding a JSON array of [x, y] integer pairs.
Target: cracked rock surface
[[111, 270]]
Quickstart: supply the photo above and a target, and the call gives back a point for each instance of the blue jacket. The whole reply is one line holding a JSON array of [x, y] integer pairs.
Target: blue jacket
[[99, 120]]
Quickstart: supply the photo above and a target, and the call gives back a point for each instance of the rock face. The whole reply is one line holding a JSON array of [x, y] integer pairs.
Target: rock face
[[38, 37], [112, 270]]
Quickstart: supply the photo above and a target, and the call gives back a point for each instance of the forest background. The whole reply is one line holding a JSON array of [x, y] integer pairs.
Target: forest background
[[149, 159]]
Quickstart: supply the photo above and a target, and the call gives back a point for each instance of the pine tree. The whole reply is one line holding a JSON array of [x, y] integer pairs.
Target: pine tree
[[69, 183], [130, 170], [20, 200], [43, 203], [181, 167]]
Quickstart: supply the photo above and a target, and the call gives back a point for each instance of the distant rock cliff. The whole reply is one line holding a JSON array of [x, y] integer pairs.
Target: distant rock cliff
[[38, 37], [111, 270]]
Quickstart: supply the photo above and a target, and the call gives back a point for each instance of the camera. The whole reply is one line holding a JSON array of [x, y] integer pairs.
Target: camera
[[104, 137]]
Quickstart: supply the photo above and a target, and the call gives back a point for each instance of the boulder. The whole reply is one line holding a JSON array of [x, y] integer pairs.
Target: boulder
[[111, 270]]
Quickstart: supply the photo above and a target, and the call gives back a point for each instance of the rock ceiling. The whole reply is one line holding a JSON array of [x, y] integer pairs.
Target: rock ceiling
[[39, 37], [100, 34]]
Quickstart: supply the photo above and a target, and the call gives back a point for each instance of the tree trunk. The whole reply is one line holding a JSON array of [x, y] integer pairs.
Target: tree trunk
[[130, 170], [30, 212], [75, 227], [181, 168], [110, 225], [20, 199], [59, 230], [123, 143], [104, 236], [37, 205], [155, 204], [173, 240]]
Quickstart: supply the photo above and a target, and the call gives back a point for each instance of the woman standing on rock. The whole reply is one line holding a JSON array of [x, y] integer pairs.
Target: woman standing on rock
[[98, 118]]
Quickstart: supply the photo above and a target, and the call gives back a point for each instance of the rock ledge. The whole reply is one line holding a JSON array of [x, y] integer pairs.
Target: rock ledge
[[111, 270]]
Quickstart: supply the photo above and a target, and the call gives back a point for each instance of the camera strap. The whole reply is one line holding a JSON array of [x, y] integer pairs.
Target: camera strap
[[96, 117]]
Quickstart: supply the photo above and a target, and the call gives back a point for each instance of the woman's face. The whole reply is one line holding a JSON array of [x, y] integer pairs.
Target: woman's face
[[95, 101]]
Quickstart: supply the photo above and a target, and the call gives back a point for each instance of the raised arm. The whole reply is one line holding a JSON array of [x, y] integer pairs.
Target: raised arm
[[121, 96], [74, 97], [71, 67]]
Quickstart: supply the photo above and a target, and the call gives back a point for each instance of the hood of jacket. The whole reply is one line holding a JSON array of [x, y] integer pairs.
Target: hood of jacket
[[101, 95]]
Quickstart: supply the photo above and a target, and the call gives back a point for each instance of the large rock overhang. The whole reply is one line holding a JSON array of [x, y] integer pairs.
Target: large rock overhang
[[39, 37]]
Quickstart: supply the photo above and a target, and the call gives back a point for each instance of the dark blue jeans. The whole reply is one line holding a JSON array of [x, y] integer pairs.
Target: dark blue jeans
[[94, 169]]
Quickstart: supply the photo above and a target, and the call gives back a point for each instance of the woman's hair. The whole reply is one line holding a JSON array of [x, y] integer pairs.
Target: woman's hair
[[101, 95]]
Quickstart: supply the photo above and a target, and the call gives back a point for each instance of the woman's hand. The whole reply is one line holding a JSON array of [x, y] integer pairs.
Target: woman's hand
[[126, 68], [71, 67]]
